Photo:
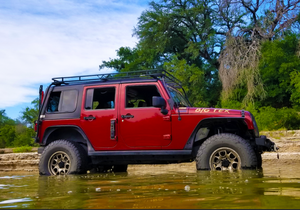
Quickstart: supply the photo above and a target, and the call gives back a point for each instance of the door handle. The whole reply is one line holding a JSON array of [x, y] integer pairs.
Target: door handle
[[90, 118], [127, 116]]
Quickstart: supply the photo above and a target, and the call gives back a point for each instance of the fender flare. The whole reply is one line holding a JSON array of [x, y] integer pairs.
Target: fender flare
[[52, 129], [190, 142]]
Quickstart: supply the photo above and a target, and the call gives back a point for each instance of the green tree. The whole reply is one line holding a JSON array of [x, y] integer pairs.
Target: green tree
[[239, 61], [220, 40], [7, 130], [132, 60], [279, 68], [29, 115], [175, 33]]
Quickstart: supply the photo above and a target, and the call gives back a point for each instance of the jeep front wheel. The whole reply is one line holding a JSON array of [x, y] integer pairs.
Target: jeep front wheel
[[63, 157], [225, 152]]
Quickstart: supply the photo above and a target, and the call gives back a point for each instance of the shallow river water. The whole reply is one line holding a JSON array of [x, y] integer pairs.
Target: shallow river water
[[154, 187]]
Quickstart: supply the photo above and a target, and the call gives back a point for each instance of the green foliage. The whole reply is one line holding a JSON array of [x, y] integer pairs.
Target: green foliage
[[193, 82], [22, 149], [295, 96], [270, 118], [24, 136], [14, 133], [29, 115], [178, 36], [279, 68], [231, 104], [132, 60], [7, 135]]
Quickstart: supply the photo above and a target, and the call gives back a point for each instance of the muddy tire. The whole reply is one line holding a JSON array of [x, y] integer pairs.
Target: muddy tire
[[119, 168], [63, 157], [225, 152]]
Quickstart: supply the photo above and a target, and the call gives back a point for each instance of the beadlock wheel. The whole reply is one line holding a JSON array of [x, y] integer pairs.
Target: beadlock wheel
[[225, 158], [59, 163]]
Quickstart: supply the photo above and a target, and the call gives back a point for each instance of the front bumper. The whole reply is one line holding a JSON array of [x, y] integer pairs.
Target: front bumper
[[266, 144]]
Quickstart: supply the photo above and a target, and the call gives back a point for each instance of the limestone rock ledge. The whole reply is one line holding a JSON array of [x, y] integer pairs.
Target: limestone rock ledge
[[19, 161]]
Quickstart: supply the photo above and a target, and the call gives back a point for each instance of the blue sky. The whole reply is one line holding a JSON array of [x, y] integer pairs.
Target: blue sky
[[42, 39]]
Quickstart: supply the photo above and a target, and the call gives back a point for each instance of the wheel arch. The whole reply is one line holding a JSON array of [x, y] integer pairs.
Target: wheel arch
[[236, 125], [67, 132]]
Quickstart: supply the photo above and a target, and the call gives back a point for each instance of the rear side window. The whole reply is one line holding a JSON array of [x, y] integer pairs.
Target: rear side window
[[62, 101]]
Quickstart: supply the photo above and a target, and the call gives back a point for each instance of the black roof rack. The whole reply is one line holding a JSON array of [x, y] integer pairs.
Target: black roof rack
[[144, 74]]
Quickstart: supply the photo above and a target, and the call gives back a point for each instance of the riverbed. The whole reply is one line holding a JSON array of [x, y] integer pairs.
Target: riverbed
[[173, 186], [153, 187]]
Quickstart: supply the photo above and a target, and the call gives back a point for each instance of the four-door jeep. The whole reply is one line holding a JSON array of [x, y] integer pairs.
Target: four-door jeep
[[107, 121]]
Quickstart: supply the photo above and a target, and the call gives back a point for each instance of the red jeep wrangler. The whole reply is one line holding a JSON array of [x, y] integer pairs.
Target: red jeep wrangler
[[107, 121]]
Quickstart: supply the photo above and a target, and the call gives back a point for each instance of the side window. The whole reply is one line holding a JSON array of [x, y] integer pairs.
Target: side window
[[140, 96], [62, 101], [100, 98], [53, 102], [69, 101]]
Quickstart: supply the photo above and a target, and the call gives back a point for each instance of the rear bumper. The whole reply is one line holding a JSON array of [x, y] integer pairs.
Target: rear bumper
[[266, 144]]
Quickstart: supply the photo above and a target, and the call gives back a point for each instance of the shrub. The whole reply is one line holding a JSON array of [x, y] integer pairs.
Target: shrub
[[269, 118], [22, 149]]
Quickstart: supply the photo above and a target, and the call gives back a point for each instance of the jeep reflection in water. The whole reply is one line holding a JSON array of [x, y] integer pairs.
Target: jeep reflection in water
[[107, 121]]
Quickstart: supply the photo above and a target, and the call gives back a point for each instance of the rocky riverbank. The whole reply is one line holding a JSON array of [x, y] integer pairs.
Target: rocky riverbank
[[287, 141]]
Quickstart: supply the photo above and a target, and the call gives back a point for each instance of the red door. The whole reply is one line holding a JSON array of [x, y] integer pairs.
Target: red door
[[99, 114], [141, 124]]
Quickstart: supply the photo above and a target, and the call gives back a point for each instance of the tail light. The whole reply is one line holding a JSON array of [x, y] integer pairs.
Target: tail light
[[35, 125], [42, 96]]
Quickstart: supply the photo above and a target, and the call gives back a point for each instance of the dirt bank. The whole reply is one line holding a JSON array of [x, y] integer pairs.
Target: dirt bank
[[287, 141]]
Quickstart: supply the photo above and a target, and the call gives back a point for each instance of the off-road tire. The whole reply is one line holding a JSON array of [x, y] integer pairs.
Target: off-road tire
[[70, 151], [240, 148]]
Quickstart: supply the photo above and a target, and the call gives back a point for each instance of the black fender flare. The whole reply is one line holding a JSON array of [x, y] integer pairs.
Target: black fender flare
[[190, 142], [52, 129]]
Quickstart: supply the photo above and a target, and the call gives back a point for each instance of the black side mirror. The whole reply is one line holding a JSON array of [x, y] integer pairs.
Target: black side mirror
[[160, 103]]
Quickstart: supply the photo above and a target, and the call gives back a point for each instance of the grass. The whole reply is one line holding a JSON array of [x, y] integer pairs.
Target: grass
[[22, 149]]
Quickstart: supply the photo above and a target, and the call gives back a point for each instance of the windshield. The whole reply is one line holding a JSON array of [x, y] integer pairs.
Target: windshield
[[178, 98]]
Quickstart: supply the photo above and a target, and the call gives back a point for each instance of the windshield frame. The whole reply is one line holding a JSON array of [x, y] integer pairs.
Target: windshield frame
[[177, 97]]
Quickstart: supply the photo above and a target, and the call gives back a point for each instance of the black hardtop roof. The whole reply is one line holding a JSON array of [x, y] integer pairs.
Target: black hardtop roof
[[120, 77], [99, 82]]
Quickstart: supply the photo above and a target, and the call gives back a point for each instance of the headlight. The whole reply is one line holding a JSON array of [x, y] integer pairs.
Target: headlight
[[256, 131]]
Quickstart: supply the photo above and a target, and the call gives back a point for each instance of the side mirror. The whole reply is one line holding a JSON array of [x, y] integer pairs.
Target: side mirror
[[160, 102]]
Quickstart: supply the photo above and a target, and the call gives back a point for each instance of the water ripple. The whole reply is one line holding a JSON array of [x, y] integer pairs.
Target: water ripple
[[15, 200]]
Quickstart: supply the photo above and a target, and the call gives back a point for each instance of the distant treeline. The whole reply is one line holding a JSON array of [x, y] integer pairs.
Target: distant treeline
[[20, 132]]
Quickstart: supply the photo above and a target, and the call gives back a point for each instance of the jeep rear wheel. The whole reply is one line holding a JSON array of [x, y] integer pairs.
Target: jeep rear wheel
[[63, 157], [225, 152]]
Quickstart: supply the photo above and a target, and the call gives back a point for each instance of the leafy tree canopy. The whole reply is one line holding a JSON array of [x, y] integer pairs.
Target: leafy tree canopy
[[220, 40], [29, 115]]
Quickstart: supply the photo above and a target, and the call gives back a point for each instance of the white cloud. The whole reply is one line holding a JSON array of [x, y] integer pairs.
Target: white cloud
[[44, 39]]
